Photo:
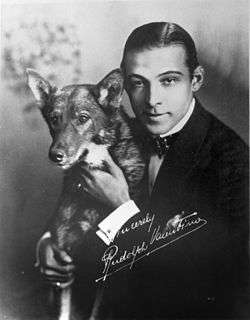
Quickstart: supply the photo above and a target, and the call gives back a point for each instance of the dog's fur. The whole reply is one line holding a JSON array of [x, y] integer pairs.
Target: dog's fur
[[84, 120]]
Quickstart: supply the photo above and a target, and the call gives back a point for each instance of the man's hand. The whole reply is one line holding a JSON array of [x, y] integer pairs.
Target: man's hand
[[109, 187], [55, 265]]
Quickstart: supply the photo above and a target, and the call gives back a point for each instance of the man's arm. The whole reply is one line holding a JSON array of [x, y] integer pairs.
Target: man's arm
[[109, 227], [108, 187], [232, 163]]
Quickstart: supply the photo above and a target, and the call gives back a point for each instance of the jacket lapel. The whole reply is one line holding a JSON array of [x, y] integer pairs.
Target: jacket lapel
[[182, 157]]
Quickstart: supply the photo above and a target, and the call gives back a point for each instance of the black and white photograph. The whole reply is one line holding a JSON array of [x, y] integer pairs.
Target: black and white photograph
[[124, 160]]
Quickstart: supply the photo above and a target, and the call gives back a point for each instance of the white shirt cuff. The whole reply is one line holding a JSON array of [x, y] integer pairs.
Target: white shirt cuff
[[44, 236], [109, 227]]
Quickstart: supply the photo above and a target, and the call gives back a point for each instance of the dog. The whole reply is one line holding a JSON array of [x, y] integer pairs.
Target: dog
[[85, 121]]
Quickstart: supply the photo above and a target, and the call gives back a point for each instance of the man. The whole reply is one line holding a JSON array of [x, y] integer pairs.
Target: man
[[194, 245]]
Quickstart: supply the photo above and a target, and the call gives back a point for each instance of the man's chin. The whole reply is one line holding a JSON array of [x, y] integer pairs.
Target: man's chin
[[157, 130]]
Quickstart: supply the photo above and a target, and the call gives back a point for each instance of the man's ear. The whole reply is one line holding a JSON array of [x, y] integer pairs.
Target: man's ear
[[198, 77], [109, 90], [39, 86]]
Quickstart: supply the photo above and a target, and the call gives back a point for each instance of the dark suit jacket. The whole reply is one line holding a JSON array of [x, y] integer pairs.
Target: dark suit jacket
[[200, 275]]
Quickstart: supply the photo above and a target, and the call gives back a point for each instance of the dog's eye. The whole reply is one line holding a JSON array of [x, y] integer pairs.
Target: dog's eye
[[54, 119], [83, 118]]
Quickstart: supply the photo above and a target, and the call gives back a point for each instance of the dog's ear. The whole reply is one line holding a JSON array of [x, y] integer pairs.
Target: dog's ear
[[39, 86], [109, 90]]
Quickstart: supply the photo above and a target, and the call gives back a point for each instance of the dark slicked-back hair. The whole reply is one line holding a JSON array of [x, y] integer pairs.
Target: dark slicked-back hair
[[159, 35]]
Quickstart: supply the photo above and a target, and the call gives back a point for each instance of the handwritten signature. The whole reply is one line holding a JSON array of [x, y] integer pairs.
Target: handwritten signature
[[160, 237], [148, 219]]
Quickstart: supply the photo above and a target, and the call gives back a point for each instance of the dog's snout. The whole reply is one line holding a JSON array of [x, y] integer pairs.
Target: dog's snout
[[56, 156]]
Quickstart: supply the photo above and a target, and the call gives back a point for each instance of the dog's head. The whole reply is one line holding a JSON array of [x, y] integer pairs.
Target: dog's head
[[77, 115]]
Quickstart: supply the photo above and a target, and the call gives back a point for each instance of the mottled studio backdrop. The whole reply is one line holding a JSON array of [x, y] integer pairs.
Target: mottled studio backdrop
[[74, 42]]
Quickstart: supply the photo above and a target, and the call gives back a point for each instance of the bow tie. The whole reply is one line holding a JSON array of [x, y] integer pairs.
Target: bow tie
[[162, 144]]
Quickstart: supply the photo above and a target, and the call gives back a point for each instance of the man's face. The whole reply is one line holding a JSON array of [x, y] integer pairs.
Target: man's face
[[159, 86]]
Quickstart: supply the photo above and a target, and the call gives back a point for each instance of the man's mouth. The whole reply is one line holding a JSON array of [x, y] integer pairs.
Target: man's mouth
[[155, 116]]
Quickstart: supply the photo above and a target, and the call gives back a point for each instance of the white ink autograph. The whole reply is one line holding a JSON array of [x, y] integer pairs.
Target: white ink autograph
[[137, 224], [175, 229]]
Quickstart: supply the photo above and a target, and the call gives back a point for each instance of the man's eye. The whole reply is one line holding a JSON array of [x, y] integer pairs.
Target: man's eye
[[169, 81], [83, 118]]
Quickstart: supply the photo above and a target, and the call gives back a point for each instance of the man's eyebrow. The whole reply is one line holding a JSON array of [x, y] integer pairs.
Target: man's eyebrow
[[159, 75], [170, 72]]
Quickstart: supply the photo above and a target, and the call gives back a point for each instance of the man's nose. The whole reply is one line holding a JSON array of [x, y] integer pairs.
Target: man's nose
[[153, 98]]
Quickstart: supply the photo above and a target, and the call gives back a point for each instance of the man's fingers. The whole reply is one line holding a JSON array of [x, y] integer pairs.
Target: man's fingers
[[61, 285], [63, 270], [61, 256], [53, 273], [112, 166], [58, 278], [86, 173]]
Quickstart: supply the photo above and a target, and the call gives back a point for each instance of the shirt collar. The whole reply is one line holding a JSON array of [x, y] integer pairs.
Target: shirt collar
[[182, 122]]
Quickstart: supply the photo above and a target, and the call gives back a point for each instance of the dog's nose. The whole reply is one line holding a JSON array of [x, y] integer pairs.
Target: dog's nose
[[56, 156]]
